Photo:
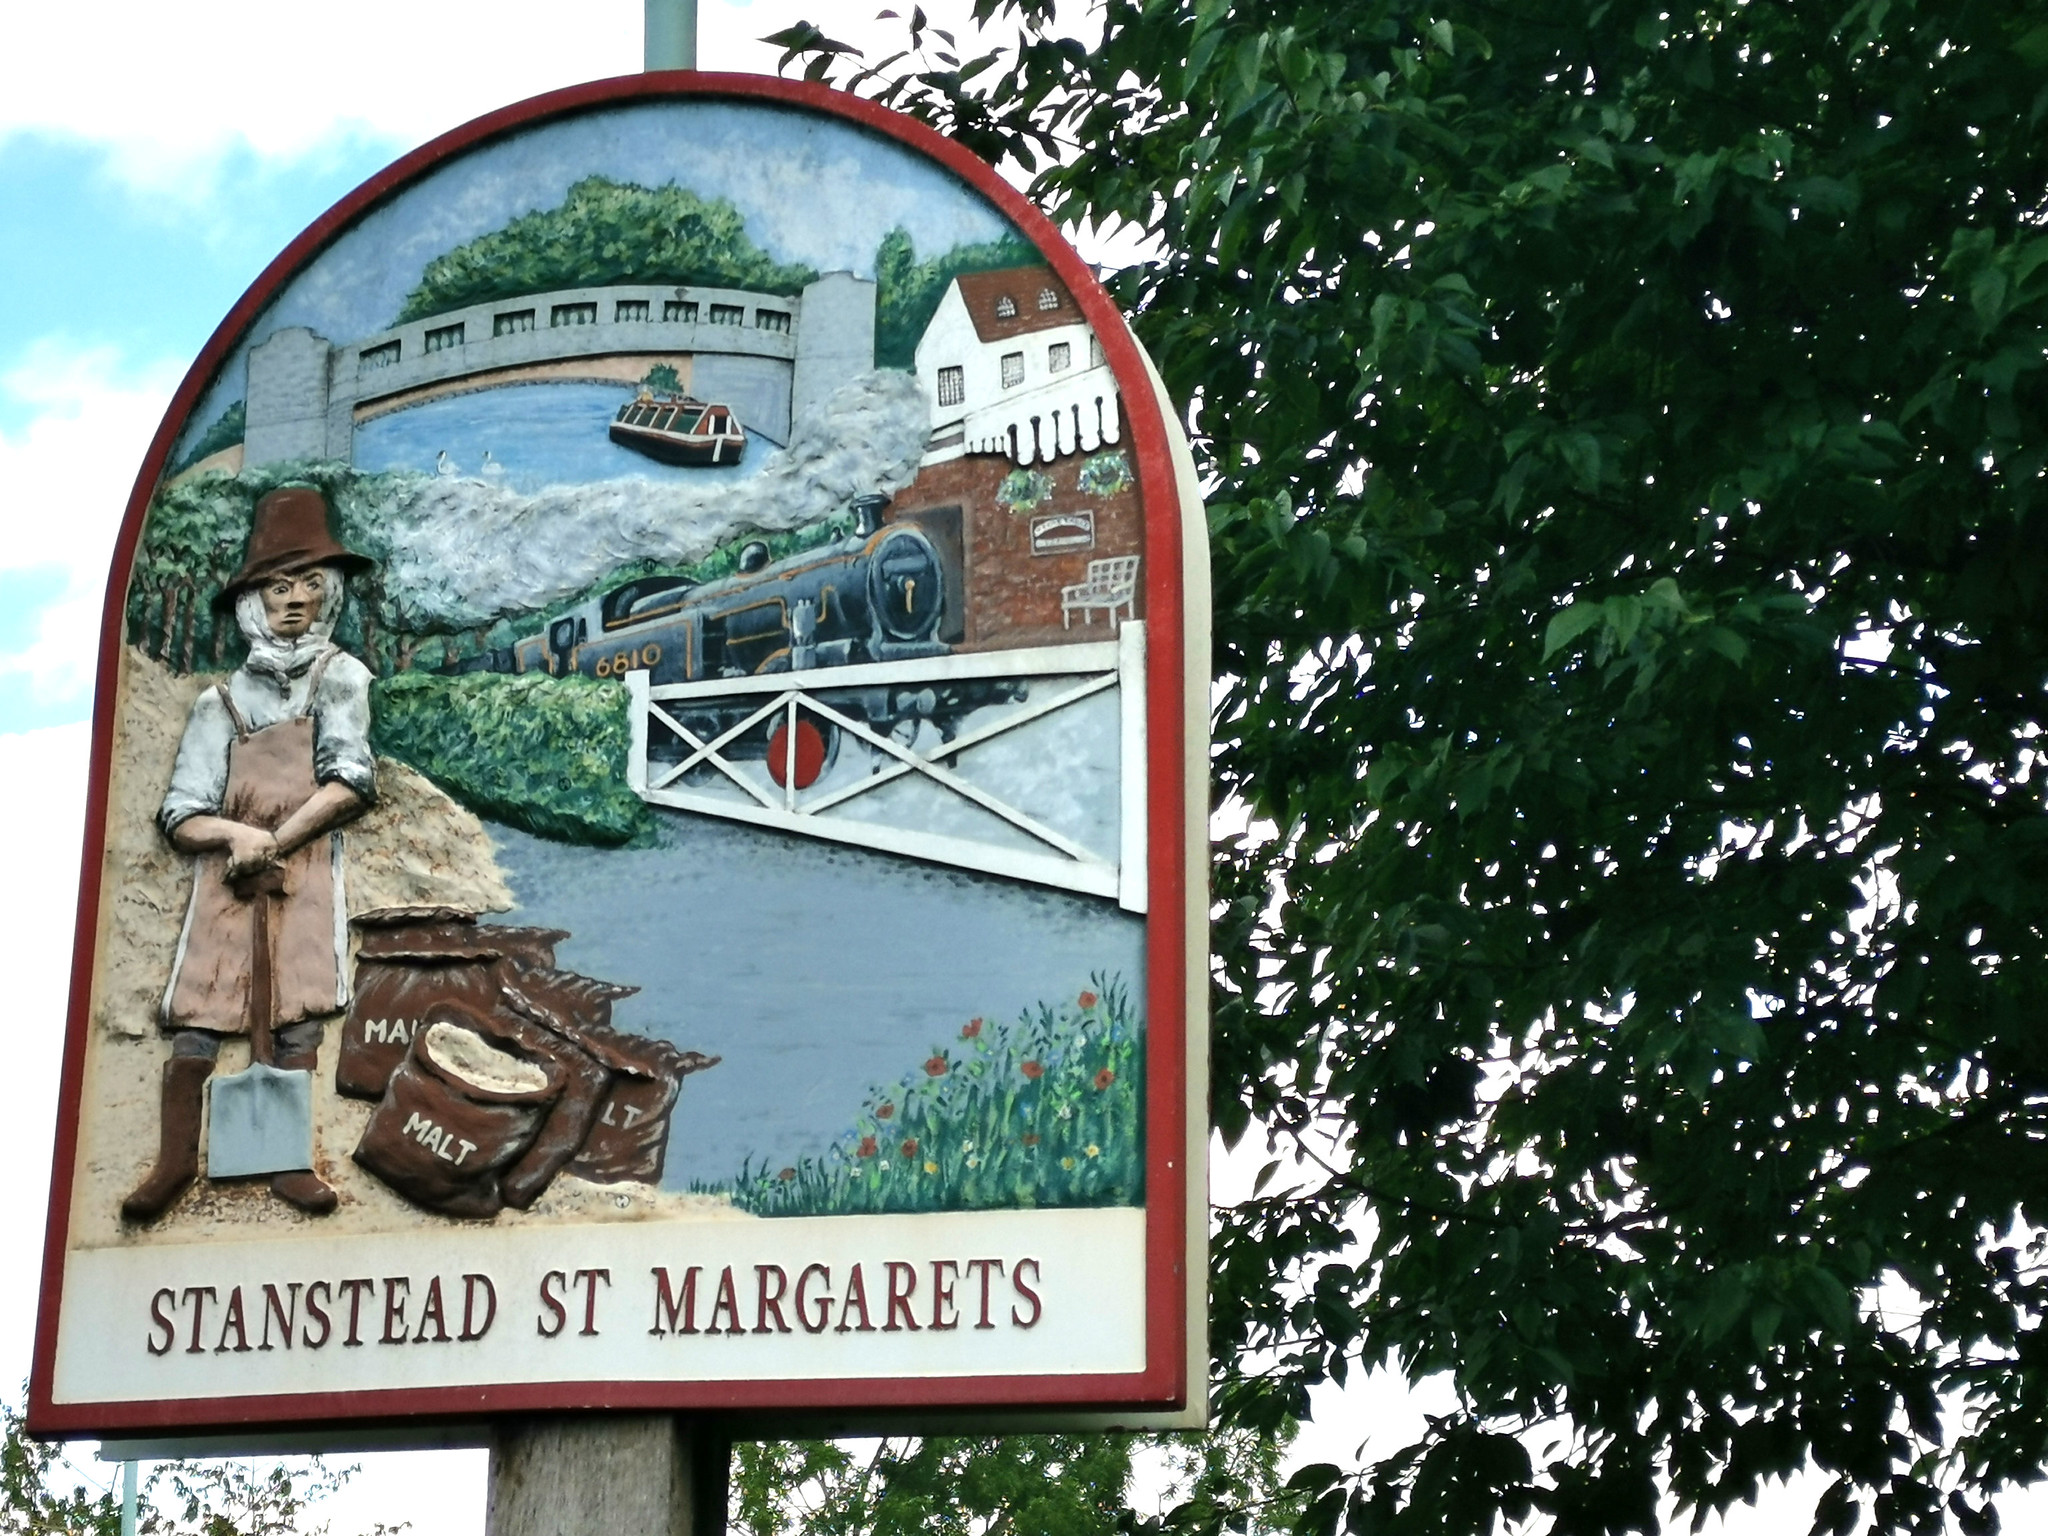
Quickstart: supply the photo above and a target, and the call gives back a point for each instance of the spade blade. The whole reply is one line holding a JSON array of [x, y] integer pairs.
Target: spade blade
[[260, 1121]]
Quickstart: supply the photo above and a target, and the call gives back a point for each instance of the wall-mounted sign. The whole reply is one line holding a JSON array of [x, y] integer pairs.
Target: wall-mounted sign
[[646, 836]]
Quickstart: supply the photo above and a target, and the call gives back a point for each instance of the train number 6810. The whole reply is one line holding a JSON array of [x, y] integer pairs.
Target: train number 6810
[[620, 663]]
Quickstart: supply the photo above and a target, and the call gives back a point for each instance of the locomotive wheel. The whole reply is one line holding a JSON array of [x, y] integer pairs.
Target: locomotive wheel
[[813, 753]]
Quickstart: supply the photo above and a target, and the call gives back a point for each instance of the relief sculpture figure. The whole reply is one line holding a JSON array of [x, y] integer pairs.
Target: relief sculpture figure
[[273, 761]]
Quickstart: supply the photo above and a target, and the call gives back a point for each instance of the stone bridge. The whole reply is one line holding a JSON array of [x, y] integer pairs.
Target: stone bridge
[[772, 357]]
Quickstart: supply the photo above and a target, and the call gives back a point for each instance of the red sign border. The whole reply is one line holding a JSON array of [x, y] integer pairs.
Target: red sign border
[[1163, 1383]]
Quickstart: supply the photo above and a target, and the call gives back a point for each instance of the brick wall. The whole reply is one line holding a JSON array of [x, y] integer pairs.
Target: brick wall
[[1012, 594]]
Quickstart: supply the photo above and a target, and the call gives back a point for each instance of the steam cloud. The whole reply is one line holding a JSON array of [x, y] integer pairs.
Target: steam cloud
[[465, 552]]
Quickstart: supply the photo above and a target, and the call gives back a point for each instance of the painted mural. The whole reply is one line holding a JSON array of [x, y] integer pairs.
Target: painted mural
[[633, 706]]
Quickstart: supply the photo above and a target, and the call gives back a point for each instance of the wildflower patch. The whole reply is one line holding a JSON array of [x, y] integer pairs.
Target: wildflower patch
[[1045, 1111]]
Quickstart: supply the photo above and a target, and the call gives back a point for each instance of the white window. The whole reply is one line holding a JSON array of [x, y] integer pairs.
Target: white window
[[1013, 369], [1006, 308], [771, 319], [629, 309], [573, 314], [679, 311], [441, 338], [1047, 299], [377, 357], [511, 324], [952, 385], [1059, 357], [728, 314]]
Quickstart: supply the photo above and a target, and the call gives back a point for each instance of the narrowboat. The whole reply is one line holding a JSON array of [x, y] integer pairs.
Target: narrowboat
[[679, 430]]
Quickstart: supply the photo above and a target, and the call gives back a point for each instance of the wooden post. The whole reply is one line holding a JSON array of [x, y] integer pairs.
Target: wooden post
[[608, 1475]]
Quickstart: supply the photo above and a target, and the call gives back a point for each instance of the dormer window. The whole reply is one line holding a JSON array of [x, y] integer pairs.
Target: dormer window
[[1047, 299], [1006, 308]]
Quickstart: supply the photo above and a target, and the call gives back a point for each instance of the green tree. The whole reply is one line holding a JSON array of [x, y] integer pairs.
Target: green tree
[[1625, 433], [907, 291], [1026, 1485], [228, 429], [219, 1497], [35, 1500], [604, 232]]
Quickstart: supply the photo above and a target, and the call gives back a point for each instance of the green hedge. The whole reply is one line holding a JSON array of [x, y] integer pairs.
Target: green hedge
[[544, 754]]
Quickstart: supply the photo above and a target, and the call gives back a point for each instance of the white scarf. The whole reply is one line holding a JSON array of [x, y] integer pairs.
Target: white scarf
[[282, 660]]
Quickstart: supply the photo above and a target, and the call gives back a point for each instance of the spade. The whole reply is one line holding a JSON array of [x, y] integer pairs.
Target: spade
[[261, 1118]]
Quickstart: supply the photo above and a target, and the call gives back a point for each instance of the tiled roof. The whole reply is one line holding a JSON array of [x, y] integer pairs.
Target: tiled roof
[[985, 291]]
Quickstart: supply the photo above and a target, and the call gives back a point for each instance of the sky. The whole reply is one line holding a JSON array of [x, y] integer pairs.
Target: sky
[[153, 158]]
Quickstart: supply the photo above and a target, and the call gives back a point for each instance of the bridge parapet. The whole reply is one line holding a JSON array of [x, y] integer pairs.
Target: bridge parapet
[[774, 355]]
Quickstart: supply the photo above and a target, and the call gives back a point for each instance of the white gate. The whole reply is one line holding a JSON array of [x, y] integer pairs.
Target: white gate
[[1063, 808]]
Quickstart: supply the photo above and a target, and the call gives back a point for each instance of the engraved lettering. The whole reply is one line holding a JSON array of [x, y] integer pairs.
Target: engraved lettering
[[273, 1306], [902, 1286], [1025, 1291], [667, 1304], [588, 1279], [856, 1296], [553, 1303], [435, 1313], [469, 1285], [158, 1320], [766, 1302], [824, 1312], [986, 1266]]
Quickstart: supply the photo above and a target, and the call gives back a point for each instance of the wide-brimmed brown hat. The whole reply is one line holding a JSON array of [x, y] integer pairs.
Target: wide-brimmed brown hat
[[289, 532]]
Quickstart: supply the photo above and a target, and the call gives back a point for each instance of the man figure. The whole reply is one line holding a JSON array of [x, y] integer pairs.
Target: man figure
[[272, 762]]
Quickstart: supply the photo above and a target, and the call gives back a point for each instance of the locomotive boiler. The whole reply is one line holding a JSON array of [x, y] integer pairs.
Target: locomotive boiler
[[879, 595]]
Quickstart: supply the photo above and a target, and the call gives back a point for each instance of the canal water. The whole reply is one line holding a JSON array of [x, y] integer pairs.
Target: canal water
[[535, 435], [818, 972]]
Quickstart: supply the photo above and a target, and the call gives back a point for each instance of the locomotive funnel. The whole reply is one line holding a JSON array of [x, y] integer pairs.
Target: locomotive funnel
[[867, 513]]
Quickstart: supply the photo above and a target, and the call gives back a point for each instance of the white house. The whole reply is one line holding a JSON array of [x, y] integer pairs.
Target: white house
[[1009, 366]]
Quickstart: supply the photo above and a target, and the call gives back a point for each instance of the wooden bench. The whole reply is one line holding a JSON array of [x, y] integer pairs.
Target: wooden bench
[[1111, 584]]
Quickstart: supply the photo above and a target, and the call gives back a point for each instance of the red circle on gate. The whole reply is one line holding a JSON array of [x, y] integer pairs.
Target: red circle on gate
[[810, 754]]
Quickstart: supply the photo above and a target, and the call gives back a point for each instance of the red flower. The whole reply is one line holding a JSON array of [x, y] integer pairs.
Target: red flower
[[1031, 1069], [1031, 1138], [885, 1111], [786, 1175], [971, 1029], [936, 1067], [910, 1147], [1086, 999], [1103, 1079], [867, 1146]]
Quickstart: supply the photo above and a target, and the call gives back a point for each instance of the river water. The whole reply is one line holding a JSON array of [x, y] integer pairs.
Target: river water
[[536, 435], [816, 971]]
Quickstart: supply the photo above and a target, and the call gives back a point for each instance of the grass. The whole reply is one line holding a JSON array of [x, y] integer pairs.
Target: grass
[[1046, 1111]]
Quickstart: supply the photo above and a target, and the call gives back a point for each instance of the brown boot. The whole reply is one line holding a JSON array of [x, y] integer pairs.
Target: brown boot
[[177, 1158], [304, 1189]]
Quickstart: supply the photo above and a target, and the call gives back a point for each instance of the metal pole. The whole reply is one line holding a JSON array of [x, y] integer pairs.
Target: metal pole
[[129, 1493], [671, 34]]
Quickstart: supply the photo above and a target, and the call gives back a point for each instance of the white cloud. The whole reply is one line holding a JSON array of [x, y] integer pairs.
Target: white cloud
[[64, 479], [175, 92]]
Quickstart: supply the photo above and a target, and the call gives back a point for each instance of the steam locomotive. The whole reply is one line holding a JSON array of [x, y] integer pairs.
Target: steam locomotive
[[878, 595]]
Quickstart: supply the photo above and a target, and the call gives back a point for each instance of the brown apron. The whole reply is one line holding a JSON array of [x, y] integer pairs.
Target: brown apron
[[270, 775]]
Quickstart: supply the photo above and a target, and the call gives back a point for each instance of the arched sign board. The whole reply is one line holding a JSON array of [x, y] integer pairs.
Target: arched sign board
[[645, 842]]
